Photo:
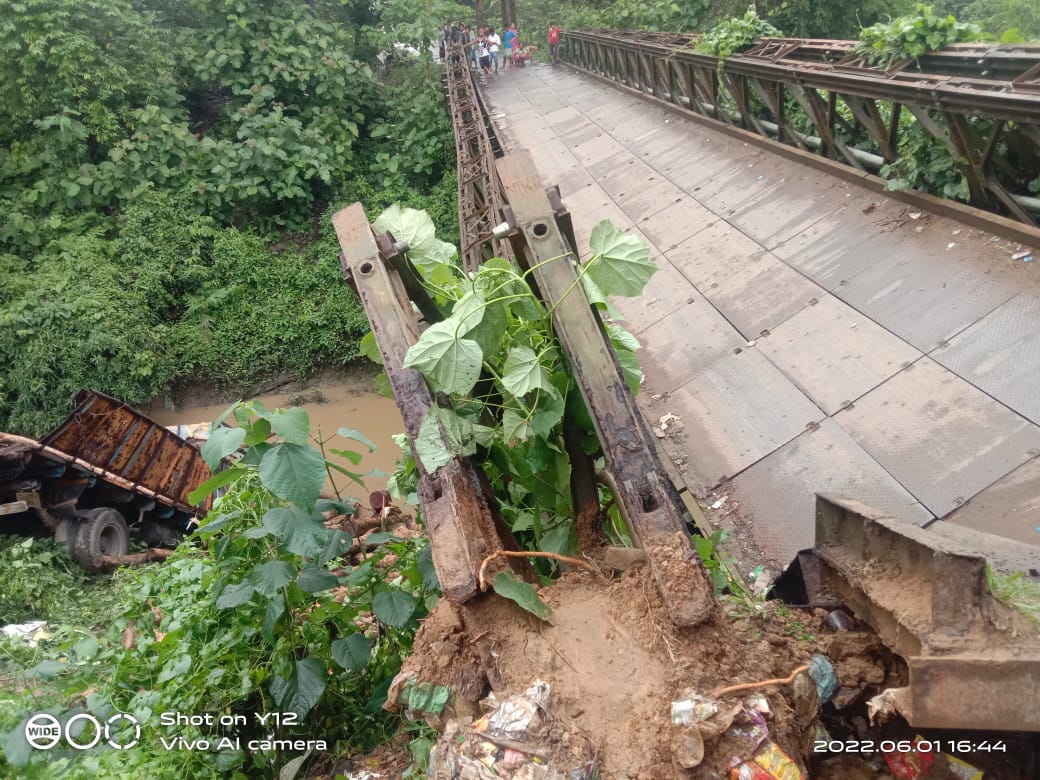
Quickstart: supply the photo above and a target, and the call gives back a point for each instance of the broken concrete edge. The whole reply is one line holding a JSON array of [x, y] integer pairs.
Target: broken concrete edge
[[973, 662]]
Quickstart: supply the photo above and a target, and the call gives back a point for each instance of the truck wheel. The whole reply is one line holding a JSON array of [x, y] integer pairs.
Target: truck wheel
[[101, 531]]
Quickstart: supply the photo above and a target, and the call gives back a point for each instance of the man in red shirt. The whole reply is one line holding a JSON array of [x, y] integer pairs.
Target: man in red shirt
[[554, 42]]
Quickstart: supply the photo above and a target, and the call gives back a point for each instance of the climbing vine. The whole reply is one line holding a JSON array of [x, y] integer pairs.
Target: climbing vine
[[497, 360]]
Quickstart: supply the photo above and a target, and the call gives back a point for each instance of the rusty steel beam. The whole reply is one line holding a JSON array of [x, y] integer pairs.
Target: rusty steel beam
[[653, 512], [973, 662], [460, 518], [480, 200]]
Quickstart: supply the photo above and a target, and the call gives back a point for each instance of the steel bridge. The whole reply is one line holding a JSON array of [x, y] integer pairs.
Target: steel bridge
[[809, 333]]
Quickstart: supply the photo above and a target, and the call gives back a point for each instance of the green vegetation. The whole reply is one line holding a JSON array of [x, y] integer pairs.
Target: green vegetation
[[166, 170], [1017, 591], [257, 613], [496, 358]]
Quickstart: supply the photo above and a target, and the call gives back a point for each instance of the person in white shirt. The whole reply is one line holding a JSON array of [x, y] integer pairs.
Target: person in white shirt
[[493, 42]]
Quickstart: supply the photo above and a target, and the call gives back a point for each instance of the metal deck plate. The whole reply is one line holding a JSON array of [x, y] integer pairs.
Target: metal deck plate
[[713, 254], [922, 293], [666, 291], [737, 411], [779, 492], [761, 295], [1009, 507], [944, 438], [834, 353], [1001, 355], [675, 223], [643, 200], [685, 342]]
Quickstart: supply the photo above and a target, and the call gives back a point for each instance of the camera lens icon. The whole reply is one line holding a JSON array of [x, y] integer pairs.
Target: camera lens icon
[[44, 731]]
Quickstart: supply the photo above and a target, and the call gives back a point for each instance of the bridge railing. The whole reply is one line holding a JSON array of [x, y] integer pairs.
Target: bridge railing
[[480, 192], [981, 101]]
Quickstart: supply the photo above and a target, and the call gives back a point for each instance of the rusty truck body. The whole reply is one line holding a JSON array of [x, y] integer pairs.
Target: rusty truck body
[[105, 475]]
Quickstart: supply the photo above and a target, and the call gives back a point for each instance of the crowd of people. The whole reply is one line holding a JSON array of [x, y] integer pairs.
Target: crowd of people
[[490, 51]]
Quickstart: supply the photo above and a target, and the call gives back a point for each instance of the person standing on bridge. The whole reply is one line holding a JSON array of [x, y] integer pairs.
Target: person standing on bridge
[[554, 43], [493, 43], [509, 44], [485, 52]]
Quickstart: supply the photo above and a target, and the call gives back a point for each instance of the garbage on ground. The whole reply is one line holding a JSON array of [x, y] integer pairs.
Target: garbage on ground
[[769, 763], [718, 504], [667, 418], [910, 764], [32, 632], [699, 719], [516, 739], [1026, 256]]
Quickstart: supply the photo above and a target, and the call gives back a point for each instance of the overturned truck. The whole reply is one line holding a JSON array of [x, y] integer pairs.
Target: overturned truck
[[106, 475]]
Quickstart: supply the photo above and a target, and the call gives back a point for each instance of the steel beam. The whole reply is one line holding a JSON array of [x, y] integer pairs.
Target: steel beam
[[653, 511], [974, 662]]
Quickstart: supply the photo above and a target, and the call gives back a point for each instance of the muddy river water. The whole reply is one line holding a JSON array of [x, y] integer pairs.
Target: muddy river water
[[331, 404]]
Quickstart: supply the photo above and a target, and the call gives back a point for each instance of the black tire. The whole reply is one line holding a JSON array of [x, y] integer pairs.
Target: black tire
[[100, 531]]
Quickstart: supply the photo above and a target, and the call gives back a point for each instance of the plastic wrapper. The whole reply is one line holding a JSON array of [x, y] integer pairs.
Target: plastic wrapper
[[769, 763], [516, 739]]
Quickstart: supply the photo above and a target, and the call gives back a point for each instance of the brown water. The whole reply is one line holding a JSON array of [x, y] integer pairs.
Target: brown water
[[344, 403]]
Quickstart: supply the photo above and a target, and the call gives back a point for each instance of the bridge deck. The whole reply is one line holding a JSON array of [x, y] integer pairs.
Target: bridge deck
[[813, 335]]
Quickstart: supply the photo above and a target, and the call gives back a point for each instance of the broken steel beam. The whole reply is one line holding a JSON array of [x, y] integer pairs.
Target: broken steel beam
[[653, 513], [973, 661], [459, 517]]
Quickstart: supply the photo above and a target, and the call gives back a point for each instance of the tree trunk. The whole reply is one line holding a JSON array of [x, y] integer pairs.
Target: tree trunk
[[481, 14], [508, 13]]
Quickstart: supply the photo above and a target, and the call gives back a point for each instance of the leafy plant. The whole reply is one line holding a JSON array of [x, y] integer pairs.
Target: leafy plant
[[267, 616], [496, 358], [913, 36], [733, 35]]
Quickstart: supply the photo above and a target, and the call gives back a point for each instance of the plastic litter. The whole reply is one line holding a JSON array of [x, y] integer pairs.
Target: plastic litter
[[516, 739], [910, 764], [822, 673], [1026, 256], [769, 763], [32, 632], [718, 504]]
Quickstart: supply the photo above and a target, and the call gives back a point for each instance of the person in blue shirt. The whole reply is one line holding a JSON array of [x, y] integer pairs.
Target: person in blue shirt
[[509, 44]]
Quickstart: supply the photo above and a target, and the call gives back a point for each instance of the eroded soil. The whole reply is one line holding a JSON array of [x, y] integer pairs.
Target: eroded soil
[[615, 663]]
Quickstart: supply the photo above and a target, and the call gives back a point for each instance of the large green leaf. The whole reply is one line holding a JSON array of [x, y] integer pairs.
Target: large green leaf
[[217, 481], [416, 227], [393, 607], [269, 576], [221, 443], [548, 410], [485, 324], [300, 532], [368, 347], [508, 585], [449, 361], [620, 263], [293, 425], [515, 426], [351, 652], [235, 595], [424, 560], [460, 437], [295, 472], [350, 433], [303, 689], [275, 609], [524, 372], [313, 579]]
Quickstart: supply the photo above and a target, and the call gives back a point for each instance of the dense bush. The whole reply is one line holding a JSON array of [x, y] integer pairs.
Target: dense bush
[[152, 154]]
